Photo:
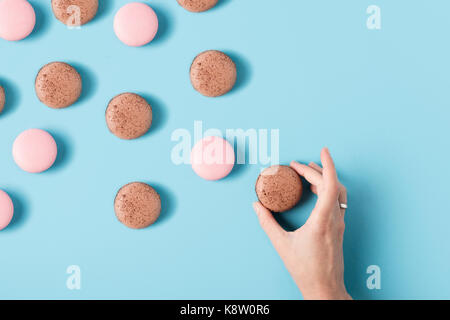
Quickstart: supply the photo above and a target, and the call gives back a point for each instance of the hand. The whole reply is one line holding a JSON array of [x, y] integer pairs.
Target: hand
[[313, 254]]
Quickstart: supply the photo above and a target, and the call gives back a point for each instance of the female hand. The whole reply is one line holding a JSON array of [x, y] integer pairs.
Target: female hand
[[313, 254]]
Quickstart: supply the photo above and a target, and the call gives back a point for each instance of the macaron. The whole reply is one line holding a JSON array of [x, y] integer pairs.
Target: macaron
[[212, 158], [197, 5], [129, 116], [75, 12], [279, 188], [136, 24], [34, 150], [58, 85], [213, 73], [17, 19], [137, 205], [2, 99], [6, 209]]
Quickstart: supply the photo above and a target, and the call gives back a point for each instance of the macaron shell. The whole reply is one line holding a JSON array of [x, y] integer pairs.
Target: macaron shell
[[197, 5], [58, 85], [212, 158], [279, 188], [136, 24], [129, 116], [34, 150], [213, 73], [6, 210], [88, 10], [137, 205], [2, 99], [17, 19]]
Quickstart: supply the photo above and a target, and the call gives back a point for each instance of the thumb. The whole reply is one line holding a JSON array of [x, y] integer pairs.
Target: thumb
[[270, 226]]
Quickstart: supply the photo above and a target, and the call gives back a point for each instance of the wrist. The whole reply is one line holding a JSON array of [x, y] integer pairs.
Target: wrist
[[327, 294]]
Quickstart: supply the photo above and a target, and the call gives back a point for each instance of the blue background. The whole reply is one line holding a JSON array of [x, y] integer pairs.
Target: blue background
[[378, 99]]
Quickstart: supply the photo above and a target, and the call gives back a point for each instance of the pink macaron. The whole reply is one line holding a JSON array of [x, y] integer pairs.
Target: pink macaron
[[136, 24], [6, 210], [212, 158], [34, 150], [17, 19]]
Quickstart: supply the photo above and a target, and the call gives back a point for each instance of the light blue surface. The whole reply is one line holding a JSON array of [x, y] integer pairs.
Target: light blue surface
[[378, 99]]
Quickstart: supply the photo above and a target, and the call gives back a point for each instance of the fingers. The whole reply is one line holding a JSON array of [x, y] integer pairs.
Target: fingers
[[333, 189], [328, 191], [330, 181], [329, 170], [316, 167], [270, 226], [342, 197], [311, 175], [342, 189]]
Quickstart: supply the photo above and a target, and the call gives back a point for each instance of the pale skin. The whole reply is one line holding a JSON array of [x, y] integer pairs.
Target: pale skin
[[313, 254]]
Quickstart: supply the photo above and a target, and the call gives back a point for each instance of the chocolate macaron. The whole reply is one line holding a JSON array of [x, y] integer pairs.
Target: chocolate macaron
[[213, 73], [137, 205], [58, 85], [197, 5], [75, 12], [2, 99], [279, 188], [129, 116]]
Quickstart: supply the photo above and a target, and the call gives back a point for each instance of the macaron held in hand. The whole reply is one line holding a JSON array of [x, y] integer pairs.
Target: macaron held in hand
[[279, 188]]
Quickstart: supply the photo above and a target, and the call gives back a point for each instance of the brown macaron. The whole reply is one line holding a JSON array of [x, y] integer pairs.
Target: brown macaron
[[129, 116], [2, 99], [279, 188], [213, 73], [66, 11], [197, 5], [58, 85], [137, 205]]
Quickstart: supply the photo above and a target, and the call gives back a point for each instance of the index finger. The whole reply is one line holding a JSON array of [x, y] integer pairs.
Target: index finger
[[311, 175], [329, 170]]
